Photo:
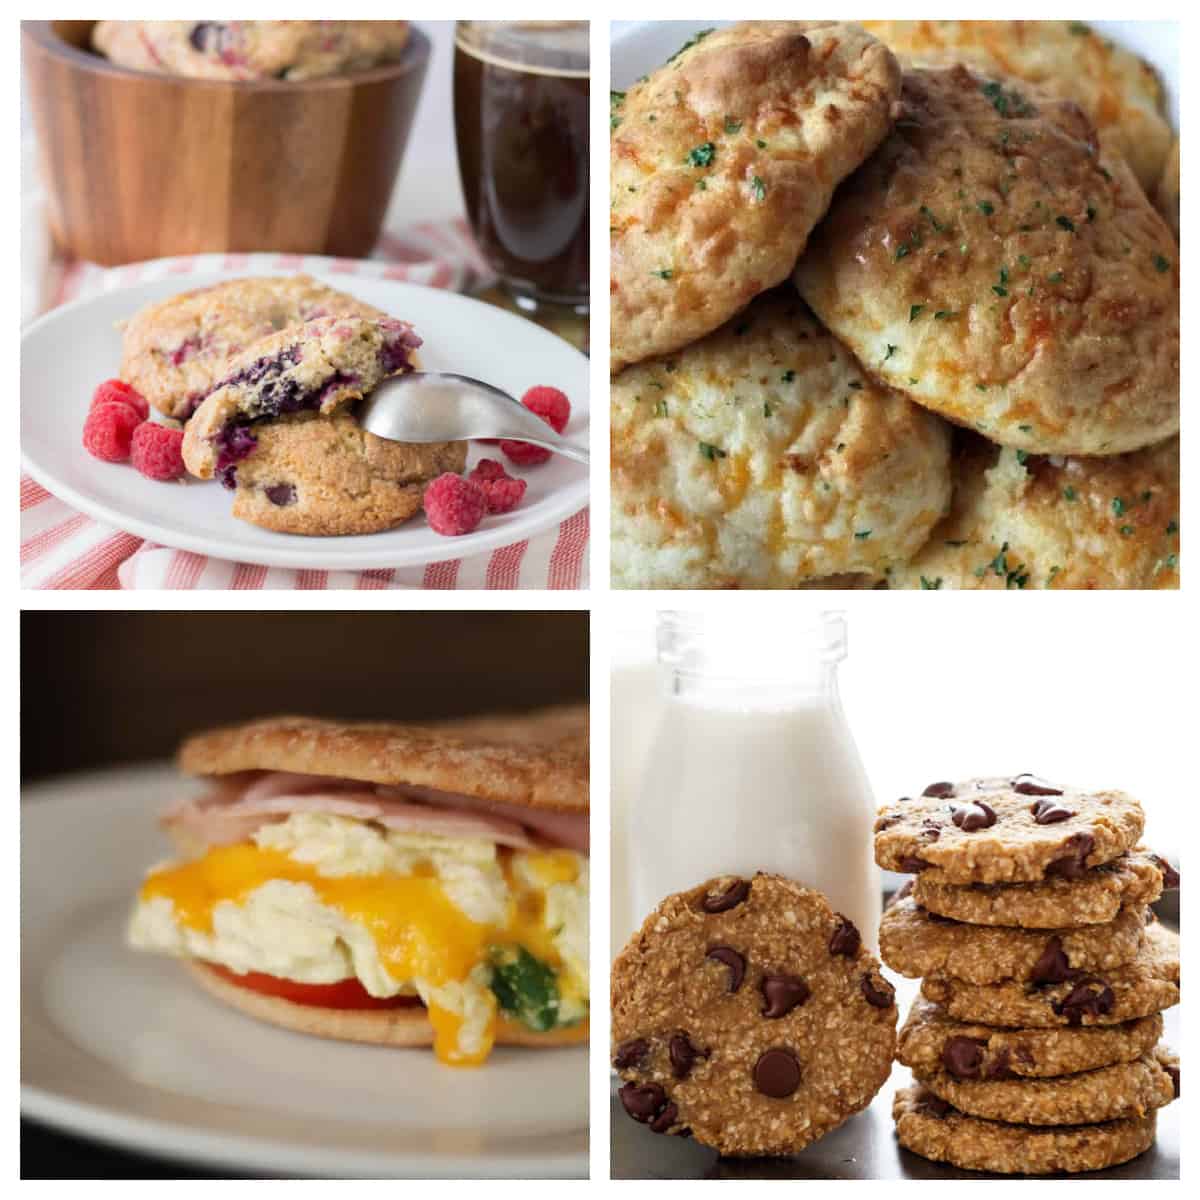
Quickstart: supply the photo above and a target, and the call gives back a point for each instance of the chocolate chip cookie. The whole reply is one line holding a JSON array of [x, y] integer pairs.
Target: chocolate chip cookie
[[931, 1040], [934, 1129], [1147, 984], [1135, 878], [1014, 830], [747, 1013], [1130, 1089], [916, 942]]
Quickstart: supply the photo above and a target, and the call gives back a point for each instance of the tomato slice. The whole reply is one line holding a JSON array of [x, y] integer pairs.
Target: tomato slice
[[347, 993]]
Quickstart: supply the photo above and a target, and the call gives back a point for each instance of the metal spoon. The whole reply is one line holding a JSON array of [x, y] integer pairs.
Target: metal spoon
[[437, 406]]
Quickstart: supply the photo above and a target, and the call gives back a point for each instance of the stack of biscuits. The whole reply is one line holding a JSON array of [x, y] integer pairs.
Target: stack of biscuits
[[1035, 1043], [882, 316]]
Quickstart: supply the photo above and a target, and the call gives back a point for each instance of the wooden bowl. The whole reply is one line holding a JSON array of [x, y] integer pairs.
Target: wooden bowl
[[141, 166]]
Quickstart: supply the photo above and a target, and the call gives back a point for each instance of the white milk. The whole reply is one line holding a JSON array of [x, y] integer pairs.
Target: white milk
[[744, 778], [636, 703]]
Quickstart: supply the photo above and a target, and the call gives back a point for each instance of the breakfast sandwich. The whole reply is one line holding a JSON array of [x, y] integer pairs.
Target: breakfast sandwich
[[405, 885]]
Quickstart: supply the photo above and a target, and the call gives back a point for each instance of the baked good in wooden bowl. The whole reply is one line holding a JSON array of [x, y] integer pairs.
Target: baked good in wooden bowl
[[142, 163]]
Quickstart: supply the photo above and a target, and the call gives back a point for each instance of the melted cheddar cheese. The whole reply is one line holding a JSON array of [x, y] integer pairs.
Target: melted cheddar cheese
[[422, 938]]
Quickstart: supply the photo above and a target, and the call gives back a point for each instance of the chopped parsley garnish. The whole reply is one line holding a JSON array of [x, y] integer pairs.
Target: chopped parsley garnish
[[1017, 576], [758, 188], [1007, 103], [1161, 264], [615, 100], [660, 407], [930, 585], [665, 273], [1126, 530], [788, 376], [711, 452], [760, 143], [1001, 288], [1172, 527], [702, 155], [985, 207], [1065, 223], [694, 41], [732, 126], [1022, 457], [944, 314], [914, 312], [1078, 28], [862, 535], [890, 351], [1068, 493], [1118, 506], [1091, 213], [1057, 277]]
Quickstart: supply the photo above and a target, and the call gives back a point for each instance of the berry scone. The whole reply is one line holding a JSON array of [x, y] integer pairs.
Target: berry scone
[[249, 50], [175, 352], [316, 475]]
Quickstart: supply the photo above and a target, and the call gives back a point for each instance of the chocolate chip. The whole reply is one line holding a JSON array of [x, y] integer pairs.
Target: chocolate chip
[[685, 1132], [731, 897], [934, 1106], [939, 791], [1052, 966], [643, 1102], [846, 939], [1073, 864], [631, 1054], [1030, 785], [913, 864], [777, 1073], [665, 1119], [930, 830], [1025, 1055], [973, 816], [1091, 996], [1046, 812], [733, 960], [887, 822], [782, 993], [963, 1056], [1174, 1074], [683, 1055], [1169, 874], [999, 1068], [877, 993]]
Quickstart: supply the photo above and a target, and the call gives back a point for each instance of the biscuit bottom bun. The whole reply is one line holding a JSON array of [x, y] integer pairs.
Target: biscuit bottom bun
[[405, 1026]]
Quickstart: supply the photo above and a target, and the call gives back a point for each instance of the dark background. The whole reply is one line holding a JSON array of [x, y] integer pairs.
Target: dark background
[[103, 688], [100, 688]]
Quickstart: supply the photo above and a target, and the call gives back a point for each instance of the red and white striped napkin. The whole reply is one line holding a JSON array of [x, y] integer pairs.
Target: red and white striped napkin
[[61, 548]]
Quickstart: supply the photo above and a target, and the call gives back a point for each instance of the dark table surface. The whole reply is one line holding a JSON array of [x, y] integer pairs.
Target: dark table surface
[[865, 1146]]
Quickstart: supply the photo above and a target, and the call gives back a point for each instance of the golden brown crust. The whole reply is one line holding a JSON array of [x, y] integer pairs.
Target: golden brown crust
[[746, 1011], [1128, 1089], [1064, 523], [334, 478], [723, 160], [407, 1026], [991, 264], [764, 456], [549, 772], [1166, 191], [1120, 93], [1135, 878], [915, 943], [929, 1127], [931, 1040]]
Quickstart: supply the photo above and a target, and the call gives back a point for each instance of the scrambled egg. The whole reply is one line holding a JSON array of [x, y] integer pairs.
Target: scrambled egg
[[320, 898]]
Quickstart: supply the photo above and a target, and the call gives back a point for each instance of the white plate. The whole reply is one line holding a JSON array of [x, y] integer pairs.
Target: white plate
[[640, 46], [122, 1047], [66, 353]]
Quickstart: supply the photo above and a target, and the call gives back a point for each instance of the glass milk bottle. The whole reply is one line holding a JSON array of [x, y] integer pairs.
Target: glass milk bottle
[[753, 767]]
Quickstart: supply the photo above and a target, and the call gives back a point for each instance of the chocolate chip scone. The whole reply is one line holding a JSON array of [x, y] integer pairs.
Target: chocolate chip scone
[[248, 50], [175, 352], [1130, 1089], [321, 366], [916, 942], [1005, 831], [931, 1040], [934, 1129], [748, 1013], [1133, 879], [327, 476], [1146, 985]]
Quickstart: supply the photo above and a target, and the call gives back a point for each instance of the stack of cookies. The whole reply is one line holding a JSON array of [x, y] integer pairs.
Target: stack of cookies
[[1034, 1045]]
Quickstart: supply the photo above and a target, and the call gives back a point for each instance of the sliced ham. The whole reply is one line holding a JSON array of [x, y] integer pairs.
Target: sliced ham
[[236, 808]]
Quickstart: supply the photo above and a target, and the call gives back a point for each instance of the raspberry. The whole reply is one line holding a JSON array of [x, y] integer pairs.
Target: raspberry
[[555, 409], [157, 451], [108, 431], [454, 505], [501, 492], [524, 454], [550, 404], [119, 392]]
